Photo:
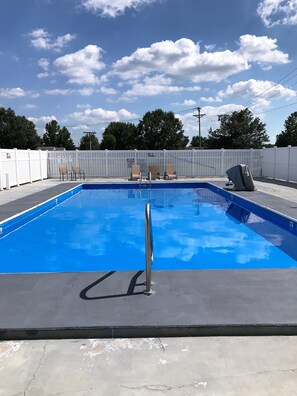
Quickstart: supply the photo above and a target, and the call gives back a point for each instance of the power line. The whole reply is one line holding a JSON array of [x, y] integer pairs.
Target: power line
[[274, 86], [277, 108]]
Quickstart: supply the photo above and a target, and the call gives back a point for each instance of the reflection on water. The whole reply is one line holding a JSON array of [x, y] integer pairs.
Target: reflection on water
[[238, 213], [103, 230]]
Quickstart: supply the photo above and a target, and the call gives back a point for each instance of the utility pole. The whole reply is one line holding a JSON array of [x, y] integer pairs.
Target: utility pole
[[199, 116], [90, 135]]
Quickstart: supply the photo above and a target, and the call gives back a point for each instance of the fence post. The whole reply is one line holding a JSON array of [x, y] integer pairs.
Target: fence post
[[16, 167], [193, 153], [222, 161], [274, 162], [135, 156], [29, 164], [7, 181], [40, 165], [106, 162], [76, 157], [289, 162], [252, 160]]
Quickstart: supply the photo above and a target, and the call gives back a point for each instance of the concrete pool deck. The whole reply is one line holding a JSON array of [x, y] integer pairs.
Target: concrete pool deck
[[185, 303]]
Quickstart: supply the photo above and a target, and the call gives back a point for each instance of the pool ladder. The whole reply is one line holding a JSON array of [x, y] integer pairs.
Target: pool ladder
[[149, 250], [145, 182]]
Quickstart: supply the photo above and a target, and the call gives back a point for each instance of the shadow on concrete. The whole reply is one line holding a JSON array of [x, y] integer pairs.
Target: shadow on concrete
[[276, 182], [130, 291]]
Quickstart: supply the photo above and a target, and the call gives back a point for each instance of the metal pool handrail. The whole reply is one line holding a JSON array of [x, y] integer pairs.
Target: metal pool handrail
[[149, 250]]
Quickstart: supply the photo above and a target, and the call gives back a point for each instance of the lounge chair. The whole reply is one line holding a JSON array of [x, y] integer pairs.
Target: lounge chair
[[135, 172], [63, 171], [76, 170], [169, 173], [153, 172]]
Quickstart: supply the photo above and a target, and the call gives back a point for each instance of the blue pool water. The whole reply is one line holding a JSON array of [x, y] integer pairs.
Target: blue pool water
[[103, 230]]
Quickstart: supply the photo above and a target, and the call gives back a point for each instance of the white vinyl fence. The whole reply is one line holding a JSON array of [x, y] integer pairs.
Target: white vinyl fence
[[22, 166], [187, 163], [26, 166], [280, 163]]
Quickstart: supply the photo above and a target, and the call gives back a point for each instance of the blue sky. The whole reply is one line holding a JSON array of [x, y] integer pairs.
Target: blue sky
[[86, 63]]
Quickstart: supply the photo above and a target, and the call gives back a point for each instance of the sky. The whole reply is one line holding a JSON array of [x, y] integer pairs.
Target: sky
[[86, 63]]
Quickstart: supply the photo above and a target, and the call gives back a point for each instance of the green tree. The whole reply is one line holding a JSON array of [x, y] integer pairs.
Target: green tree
[[56, 136], [17, 131], [160, 130], [120, 136], [108, 142], [89, 140], [239, 130], [195, 142], [289, 135]]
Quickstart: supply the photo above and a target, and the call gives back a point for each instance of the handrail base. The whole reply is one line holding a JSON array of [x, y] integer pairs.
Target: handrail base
[[148, 292]]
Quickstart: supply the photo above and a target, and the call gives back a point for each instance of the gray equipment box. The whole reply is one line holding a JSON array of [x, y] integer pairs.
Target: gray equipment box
[[241, 177]]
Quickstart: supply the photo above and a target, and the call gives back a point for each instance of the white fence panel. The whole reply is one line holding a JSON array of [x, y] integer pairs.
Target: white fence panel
[[187, 163], [280, 163], [7, 168], [22, 166], [293, 164]]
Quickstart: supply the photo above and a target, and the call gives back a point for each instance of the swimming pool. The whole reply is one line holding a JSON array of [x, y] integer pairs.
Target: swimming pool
[[101, 228]]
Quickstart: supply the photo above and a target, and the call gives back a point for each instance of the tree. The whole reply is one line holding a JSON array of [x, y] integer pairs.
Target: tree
[[239, 130], [17, 131], [120, 136], [195, 142], [161, 130], [289, 135], [87, 139], [108, 142], [56, 137]]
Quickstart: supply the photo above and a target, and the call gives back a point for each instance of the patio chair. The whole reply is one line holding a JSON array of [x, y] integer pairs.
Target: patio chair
[[76, 170], [63, 171], [169, 173], [153, 172], [135, 172]]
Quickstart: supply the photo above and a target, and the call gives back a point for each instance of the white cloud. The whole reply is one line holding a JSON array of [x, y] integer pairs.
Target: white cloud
[[258, 93], [275, 12], [113, 8], [186, 102], [87, 91], [42, 40], [12, 93], [62, 92], [209, 47], [108, 91], [83, 106], [80, 127], [42, 120], [80, 66], [183, 60], [92, 117], [44, 63], [156, 85], [43, 75], [30, 106], [262, 50], [253, 89], [210, 99]]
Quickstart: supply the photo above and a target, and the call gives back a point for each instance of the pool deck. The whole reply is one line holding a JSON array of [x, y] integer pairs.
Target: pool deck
[[185, 303]]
